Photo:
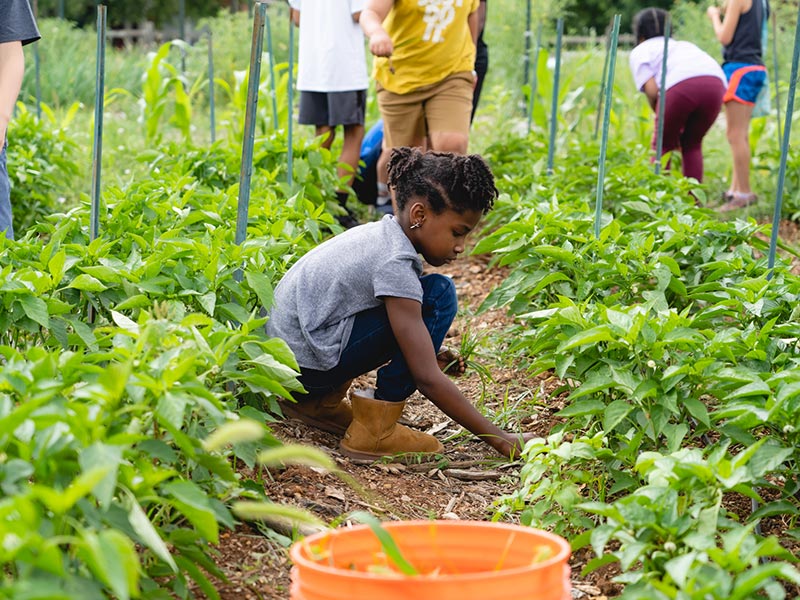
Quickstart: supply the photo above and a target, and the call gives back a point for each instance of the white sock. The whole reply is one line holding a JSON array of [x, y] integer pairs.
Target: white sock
[[383, 194]]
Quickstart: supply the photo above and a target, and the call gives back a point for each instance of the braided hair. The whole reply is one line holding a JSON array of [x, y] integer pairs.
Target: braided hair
[[649, 23], [448, 181]]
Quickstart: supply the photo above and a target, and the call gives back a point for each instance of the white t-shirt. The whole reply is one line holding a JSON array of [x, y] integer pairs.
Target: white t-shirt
[[684, 61], [332, 56]]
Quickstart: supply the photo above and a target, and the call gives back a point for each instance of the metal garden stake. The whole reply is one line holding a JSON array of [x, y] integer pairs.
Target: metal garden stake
[[554, 106], [601, 168], [662, 95], [248, 141], [290, 108], [97, 147], [787, 130]]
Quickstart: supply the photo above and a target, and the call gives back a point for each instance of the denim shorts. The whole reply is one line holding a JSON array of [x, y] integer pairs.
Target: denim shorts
[[6, 227], [744, 82]]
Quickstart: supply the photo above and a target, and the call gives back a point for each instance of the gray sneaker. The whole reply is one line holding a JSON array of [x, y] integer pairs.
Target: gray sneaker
[[739, 200]]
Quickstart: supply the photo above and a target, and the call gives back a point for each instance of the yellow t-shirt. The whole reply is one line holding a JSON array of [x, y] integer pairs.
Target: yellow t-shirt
[[431, 40]]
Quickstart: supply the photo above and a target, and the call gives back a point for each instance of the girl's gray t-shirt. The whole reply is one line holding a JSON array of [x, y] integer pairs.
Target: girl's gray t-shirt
[[317, 300]]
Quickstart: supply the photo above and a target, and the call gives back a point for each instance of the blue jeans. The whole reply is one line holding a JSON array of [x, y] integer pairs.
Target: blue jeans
[[5, 198], [372, 343]]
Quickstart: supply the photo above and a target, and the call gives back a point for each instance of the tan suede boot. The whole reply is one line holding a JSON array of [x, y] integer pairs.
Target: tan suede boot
[[329, 412], [375, 433]]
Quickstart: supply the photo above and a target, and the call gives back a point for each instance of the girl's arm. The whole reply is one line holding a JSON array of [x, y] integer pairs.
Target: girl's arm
[[650, 89], [724, 29], [371, 21], [414, 340]]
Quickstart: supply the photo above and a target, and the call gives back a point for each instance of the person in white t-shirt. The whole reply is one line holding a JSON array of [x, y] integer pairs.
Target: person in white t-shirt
[[332, 78], [695, 85]]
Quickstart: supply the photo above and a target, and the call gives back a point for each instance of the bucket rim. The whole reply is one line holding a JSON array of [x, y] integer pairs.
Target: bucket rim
[[299, 558]]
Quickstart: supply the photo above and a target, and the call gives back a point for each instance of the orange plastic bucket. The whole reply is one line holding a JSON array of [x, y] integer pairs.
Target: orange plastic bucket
[[456, 560]]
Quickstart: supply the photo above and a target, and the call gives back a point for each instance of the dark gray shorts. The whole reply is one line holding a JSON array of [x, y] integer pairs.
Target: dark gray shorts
[[332, 108]]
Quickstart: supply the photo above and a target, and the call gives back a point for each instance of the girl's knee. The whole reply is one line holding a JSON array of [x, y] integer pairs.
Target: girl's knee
[[439, 291]]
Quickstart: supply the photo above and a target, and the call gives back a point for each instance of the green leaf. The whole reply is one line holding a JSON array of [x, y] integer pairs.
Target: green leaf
[[596, 381], [56, 266], [262, 286], [112, 558], [234, 312], [697, 409], [61, 501], [84, 332], [102, 273], [547, 280], [124, 322], [87, 283], [272, 368], [601, 333], [615, 413], [255, 511], [135, 301], [147, 533], [387, 542], [171, 408], [203, 582], [680, 567], [208, 302], [757, 387], [36, 309], [194, 504], [234, 432], [582, 407], [296, 454], [107, 457]]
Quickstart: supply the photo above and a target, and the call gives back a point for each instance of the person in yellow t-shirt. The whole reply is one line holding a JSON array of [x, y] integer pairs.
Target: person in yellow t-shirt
[[425, 56]]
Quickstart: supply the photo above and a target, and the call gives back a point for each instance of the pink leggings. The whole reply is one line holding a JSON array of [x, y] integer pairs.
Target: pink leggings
[[691, 108]]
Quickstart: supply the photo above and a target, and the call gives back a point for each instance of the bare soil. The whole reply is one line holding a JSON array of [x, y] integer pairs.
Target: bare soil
[[462, 486]]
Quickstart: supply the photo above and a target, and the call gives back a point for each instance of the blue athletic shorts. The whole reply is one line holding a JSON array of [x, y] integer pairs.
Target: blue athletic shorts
[[744, 81]]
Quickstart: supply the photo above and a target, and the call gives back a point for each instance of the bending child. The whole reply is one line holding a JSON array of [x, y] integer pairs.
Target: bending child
[[694, 86], [359, 301]]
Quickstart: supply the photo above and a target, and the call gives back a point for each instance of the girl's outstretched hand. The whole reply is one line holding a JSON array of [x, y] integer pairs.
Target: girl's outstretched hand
[[511, 444], [450, 362]]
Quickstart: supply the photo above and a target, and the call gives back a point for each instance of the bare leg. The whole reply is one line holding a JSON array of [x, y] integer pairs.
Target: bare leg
[[383, 163], [383, 174], [738, 116], [448, 141], [328, 141], [351, 152]]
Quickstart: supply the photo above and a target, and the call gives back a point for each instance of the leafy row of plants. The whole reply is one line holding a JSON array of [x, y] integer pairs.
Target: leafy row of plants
[[680, 364], [120, 355]]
